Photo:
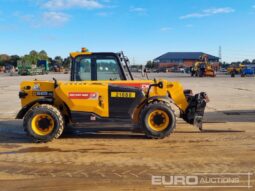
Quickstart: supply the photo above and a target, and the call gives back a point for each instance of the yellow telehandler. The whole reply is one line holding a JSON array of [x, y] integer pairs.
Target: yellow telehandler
[[102, 88], [203, 68]]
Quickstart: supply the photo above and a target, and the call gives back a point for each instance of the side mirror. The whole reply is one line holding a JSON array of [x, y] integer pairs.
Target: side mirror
[[126, 59]]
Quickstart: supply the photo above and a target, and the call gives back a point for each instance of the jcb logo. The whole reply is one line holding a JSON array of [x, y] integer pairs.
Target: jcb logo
[[123, 94]]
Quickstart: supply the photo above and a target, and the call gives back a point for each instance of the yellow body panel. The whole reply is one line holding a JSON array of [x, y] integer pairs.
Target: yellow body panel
[[85, 96], [92, 96], [34, 87]]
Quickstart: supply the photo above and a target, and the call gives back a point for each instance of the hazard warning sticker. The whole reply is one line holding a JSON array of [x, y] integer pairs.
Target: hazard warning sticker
[[83, 95]]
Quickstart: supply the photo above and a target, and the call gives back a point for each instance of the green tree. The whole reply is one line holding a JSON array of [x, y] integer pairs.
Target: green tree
[[26, 59], [51, 62], [246, 61], [42, 55], [151, 65], [59, 60], [67, 62], [14, 59], [4, 59], [33, 57]]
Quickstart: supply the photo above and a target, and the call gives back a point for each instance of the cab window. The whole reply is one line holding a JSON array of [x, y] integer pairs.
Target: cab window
[[84, 70], [107, 69]]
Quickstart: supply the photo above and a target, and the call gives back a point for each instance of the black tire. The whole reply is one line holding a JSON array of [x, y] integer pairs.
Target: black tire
[[54, 113], [144, 118]]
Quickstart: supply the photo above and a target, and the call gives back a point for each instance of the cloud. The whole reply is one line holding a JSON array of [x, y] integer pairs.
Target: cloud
[[50, 38], [49, 18], [209, 12], [53, 18], [219, 10], [66, 4], [53, 12], [165, 29], [27, 18], [138, 10]]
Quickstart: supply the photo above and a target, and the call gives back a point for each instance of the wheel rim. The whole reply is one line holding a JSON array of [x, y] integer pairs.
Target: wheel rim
[[42, 124], [158, 120]]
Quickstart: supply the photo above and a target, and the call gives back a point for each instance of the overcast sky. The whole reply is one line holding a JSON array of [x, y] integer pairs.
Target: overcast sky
[[143, 29]]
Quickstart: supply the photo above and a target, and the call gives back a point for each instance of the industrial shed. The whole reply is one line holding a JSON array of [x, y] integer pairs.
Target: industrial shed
[[183, 59]]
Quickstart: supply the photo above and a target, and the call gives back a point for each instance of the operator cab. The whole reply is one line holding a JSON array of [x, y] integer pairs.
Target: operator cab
[[88, 66]]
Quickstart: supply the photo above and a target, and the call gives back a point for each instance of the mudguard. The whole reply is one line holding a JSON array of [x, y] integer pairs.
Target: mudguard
[[24, 109], [159, 98]]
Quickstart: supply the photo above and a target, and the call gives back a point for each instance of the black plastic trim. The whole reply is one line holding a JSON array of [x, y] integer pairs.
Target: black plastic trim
[[24, 110]]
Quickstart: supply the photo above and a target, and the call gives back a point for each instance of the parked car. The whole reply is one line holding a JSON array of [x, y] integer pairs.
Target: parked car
[[248, 71], [223, 70], [182, 70]]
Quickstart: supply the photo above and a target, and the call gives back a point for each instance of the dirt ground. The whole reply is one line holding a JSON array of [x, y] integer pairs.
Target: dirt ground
[[111, 157]]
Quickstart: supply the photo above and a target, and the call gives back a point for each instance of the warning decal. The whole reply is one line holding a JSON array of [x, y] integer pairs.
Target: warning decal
[[83, 95]]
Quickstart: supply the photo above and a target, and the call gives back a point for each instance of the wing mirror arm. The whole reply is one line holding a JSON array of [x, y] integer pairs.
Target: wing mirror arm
[[145, 73], [55, 83], [159, 85]]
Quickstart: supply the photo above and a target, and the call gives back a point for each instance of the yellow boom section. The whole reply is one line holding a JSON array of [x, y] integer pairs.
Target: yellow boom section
[[177, 94]]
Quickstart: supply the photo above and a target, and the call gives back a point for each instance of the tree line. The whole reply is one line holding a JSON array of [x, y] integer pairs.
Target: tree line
[[33, 57], [245, 62]]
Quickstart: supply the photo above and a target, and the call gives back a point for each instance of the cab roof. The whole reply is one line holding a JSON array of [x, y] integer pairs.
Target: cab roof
[[85, 51]]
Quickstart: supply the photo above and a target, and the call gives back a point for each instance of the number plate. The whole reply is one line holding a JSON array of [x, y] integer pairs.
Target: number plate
[[123, 94]]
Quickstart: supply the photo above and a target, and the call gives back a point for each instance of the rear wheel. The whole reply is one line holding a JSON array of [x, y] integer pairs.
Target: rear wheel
[[44, 123], [157, 120]]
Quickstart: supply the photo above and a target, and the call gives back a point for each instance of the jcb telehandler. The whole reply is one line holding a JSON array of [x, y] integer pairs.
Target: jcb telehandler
[[102, 88], [203, 68]]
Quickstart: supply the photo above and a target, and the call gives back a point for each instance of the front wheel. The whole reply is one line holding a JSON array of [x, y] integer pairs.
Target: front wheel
[[158, 120], [43, 123]]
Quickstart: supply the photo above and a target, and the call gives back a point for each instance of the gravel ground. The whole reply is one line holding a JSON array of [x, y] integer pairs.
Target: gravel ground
[[114, 158]]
